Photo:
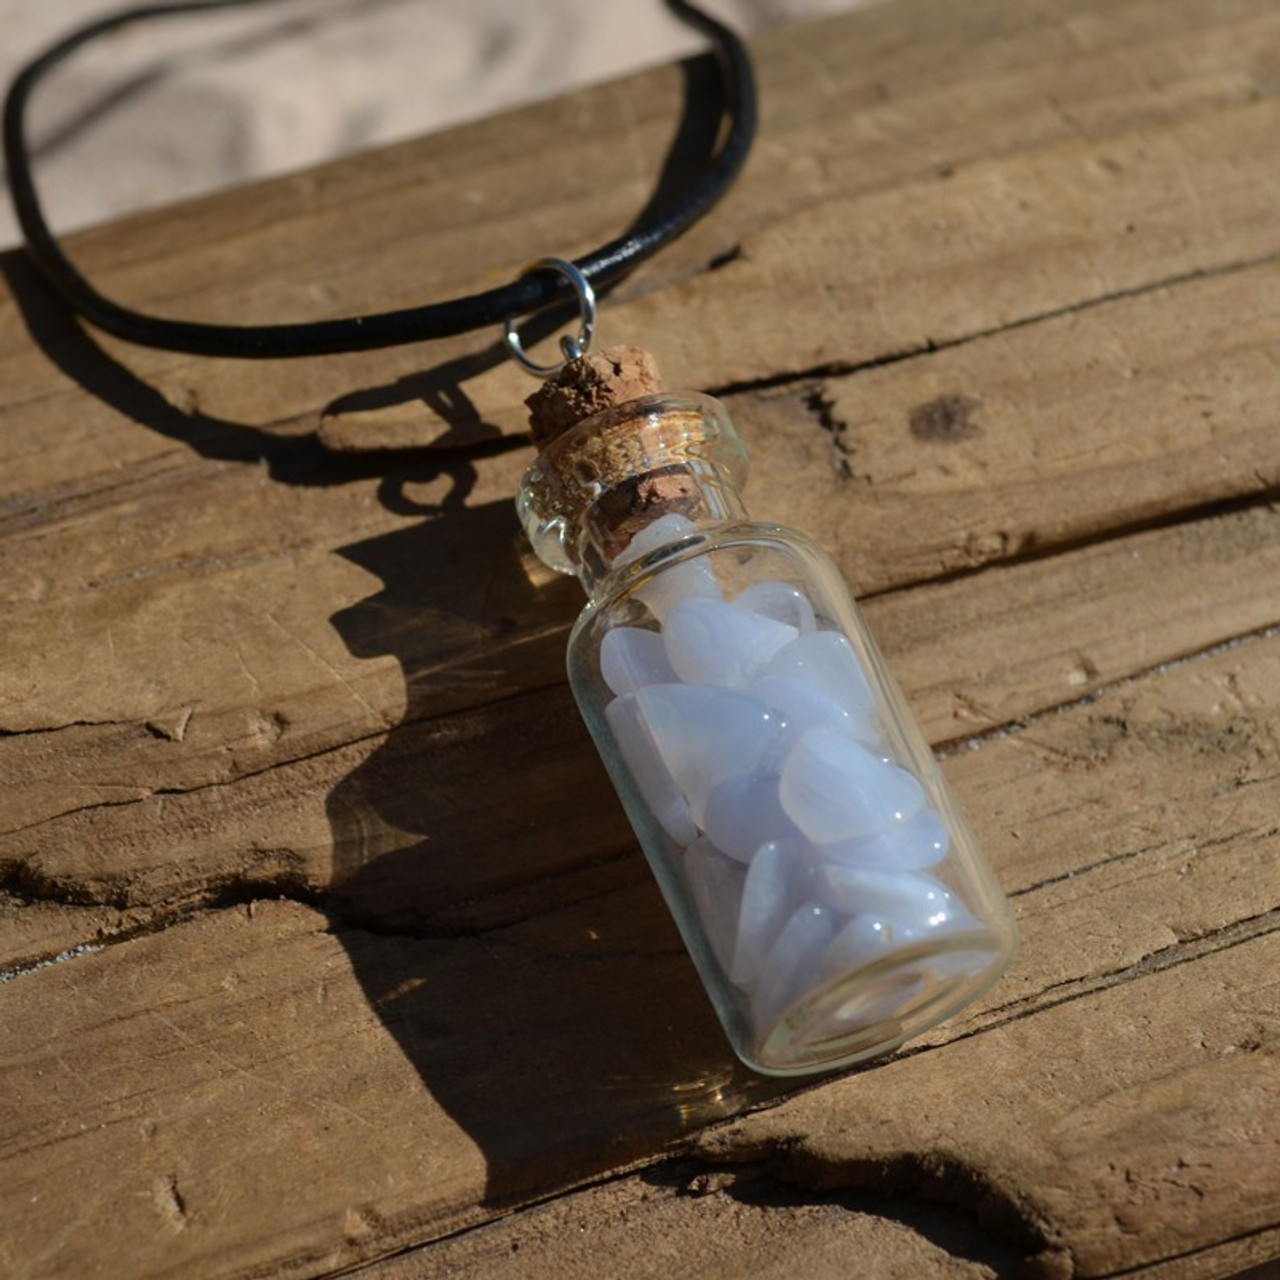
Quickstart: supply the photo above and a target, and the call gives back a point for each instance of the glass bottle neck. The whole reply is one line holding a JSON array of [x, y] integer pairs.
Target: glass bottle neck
[[629, 480]]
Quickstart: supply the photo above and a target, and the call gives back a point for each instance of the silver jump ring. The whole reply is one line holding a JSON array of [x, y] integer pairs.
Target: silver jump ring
[[572, 348]]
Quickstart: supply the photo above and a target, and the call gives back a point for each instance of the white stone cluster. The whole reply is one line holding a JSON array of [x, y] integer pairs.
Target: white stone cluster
[[752, 736]]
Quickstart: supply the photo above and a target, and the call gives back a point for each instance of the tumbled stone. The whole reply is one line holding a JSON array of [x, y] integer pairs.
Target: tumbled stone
[[770, 894], [684, 579], [826, 661], [780, 601], [836, 789], [715, 884], [652, 778], [631, 657], [922, 841], [706, 735], [743, 812], [713, 643], [660, 533], [803, 708], [916, 902], [794, 961]]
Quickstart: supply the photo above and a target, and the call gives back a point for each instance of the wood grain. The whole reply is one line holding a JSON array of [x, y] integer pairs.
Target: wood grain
[[323, 939], [527, 1053], [690, 1219]]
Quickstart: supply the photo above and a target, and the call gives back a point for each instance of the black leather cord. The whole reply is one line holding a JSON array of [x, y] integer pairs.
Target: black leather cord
[[530, 293]]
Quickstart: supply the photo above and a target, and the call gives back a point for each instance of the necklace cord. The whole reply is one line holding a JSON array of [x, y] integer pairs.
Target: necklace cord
[[531, 292]]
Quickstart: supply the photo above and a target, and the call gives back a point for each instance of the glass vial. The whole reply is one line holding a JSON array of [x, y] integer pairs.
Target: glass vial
[[825, 884]]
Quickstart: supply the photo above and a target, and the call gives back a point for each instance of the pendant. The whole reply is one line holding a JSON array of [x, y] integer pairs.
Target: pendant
[[827, 888]]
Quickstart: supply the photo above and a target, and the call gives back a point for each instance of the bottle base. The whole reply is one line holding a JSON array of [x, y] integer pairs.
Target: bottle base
[[878, 1008]]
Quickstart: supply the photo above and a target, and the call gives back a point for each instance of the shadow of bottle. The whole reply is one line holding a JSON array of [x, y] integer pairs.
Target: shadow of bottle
[[494, 905], [485, 882]]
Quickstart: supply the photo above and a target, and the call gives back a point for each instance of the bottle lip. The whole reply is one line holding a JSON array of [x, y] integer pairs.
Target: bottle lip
[[660, 429], [626, 418], [626, 466]]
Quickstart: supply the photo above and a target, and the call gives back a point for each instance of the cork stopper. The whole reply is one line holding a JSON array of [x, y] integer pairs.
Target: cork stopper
[[606, 382], [637, 455], [598, 381]]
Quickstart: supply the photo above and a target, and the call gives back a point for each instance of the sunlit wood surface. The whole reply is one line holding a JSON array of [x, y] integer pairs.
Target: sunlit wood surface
[[356, 967]]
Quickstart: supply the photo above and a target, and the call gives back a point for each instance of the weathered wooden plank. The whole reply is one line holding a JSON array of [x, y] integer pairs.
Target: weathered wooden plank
[[1115, 1159], [684, 1221], [992, 648], [1044, 436], [523, 1052], [202, 568], [722, 1222], [1098, 447], [161, 810], [1093, 116], [902, 511], [240, 665]]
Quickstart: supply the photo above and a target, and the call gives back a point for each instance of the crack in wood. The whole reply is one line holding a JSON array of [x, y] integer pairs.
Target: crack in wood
[[71, 953], [850, 368], [1241, 836], [146, 922], [212, 785], [36, 730], [238, 892], [1110, 861], [1184, 951], [822, 407], [1266, 1271], [1026, 551], [29, 510], [1013, 728], [898, 1178]]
